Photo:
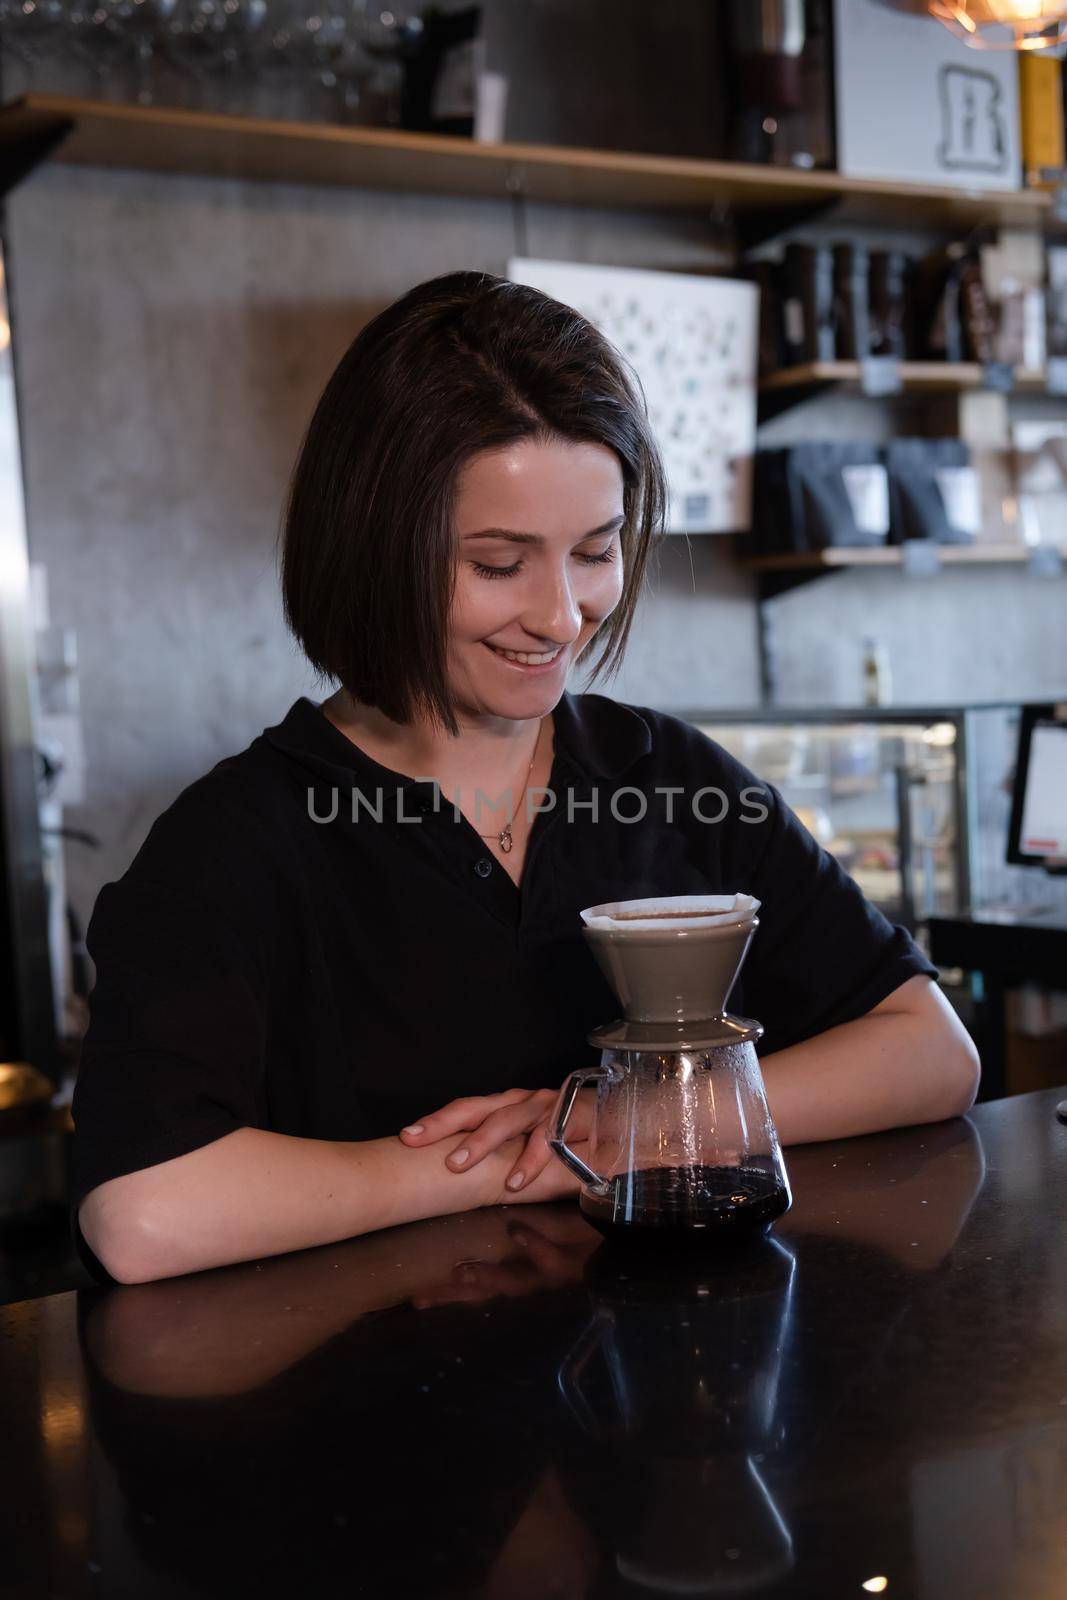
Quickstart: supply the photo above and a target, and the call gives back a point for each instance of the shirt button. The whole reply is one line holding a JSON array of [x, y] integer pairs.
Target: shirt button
[[483, 867]]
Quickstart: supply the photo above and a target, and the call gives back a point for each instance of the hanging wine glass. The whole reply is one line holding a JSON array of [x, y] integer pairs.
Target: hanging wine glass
[[28, 31], [328, 37], [387, 33], [210, 41], [143, 23], [273, 73], [96, 38], [238, 26], [383, 32], [317, 34]]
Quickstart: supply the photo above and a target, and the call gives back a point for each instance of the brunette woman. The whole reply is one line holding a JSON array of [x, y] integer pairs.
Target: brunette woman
[[343, 979]]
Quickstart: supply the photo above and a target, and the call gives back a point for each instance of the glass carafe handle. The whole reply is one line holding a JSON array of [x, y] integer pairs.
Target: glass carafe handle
[[564, 1106]]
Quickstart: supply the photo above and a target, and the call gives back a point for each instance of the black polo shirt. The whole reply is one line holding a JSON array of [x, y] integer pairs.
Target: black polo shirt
[[311, 943]]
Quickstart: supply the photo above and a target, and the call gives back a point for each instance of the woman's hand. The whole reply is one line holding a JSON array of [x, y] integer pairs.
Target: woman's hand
[[493, 1119]]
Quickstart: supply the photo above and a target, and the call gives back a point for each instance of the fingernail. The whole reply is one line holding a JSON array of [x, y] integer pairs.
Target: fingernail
[[459, 1157], [416, 1127], [516, 1180]]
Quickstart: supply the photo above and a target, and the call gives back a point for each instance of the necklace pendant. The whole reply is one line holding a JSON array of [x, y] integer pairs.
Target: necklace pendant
[[506, 840]]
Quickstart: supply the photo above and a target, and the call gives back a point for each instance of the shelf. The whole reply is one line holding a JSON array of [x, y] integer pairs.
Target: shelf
[[934, 376], [778, 574], [886, 555], [164, 139], [780, 390]]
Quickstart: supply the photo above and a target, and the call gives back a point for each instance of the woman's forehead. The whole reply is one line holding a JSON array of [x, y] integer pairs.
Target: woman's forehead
[[537, 488]]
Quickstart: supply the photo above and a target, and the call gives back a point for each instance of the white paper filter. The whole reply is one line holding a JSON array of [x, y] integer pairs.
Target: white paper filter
[[701, 911]]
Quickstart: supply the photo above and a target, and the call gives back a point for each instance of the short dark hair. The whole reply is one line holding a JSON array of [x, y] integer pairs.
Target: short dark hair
[[462, 363]]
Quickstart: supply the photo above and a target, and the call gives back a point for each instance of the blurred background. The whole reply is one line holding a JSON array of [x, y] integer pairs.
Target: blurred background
[[831, 238]]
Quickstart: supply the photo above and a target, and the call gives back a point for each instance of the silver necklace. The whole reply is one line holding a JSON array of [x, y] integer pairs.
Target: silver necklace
[[504, 838]]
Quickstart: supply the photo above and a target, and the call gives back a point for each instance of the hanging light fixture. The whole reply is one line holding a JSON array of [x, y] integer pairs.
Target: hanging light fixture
[[1030, 24]]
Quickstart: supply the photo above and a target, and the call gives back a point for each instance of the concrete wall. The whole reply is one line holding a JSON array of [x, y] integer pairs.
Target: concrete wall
[[172, 337]]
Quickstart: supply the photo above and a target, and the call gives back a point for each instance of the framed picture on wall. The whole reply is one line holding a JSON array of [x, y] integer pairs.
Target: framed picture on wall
[[691, 340], [917, 104]]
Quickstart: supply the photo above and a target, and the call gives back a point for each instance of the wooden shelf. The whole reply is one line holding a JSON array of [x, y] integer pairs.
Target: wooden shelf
[[886, 555], [931, 377], [779, 574], [163, 139]]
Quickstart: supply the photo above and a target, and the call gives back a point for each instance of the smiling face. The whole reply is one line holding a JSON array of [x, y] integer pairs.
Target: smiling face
[[539, 568]]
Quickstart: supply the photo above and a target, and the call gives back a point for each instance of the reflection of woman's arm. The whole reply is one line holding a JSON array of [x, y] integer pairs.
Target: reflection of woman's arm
[[255, 1193], [226, 1333], [216, 1333], [909, 1193]]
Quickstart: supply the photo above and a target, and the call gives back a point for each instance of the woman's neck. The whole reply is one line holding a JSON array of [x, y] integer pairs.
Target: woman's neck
[[486, 750]]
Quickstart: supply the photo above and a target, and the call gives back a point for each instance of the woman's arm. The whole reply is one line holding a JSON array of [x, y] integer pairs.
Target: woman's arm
[[255, 1193], [908, 1060]]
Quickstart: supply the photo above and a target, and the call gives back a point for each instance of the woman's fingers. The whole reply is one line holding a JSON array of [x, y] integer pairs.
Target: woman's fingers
[[508, 1122], [493, 1120], [536, 1155], [537, 1152], [555, 1182], [468, 1112]]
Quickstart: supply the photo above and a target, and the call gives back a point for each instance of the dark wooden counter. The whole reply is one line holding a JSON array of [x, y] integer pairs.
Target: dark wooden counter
[[481, 1405]]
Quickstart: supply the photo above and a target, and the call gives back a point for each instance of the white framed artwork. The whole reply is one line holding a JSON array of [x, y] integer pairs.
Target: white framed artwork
[[917, 104], [692, 342]]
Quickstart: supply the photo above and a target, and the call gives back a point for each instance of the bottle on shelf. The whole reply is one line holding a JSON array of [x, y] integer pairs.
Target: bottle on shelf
[[779, 82], [808, 303], [851, 302], [890, 304], [877, 681]]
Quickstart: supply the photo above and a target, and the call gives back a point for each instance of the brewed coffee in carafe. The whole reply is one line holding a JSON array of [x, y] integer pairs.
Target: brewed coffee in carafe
[[682, 1148]]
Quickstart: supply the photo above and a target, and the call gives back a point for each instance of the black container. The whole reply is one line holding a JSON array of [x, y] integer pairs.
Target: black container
[[439, 51], [938, 318], [802, 499], [917, 507], [808, 304], [767, 276], [851, 298], [778, 82], [890, 304]]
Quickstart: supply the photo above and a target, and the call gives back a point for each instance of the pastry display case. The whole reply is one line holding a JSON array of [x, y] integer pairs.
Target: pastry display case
[[914, 802]]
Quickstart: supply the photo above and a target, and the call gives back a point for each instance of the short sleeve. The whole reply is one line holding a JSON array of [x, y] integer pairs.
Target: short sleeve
[[823, 953], [171, 1059]]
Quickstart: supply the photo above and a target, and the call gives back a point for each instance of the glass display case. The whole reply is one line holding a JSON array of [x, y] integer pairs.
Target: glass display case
[[913, 802]]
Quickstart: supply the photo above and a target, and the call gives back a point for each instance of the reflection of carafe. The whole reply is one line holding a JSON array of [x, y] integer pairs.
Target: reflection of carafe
[[677, 1375], [682, 1146]]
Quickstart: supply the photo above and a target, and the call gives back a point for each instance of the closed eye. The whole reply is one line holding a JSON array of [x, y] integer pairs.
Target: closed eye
[[484, 571]]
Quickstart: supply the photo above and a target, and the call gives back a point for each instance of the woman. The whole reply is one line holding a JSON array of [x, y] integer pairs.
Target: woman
[[343, 979]]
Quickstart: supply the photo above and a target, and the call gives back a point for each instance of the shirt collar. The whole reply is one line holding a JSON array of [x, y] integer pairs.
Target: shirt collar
[[602, 738]]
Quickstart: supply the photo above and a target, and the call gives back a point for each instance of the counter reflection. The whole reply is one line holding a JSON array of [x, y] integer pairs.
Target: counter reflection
[[497, 1404]]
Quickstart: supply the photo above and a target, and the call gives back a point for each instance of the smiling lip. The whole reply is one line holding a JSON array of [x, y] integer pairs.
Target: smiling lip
[[529, 667]]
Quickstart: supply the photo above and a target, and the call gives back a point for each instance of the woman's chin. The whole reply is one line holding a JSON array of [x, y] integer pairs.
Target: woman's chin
[[514, 689]]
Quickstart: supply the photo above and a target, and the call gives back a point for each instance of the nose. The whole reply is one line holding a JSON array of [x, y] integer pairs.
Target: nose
[[554, 614]]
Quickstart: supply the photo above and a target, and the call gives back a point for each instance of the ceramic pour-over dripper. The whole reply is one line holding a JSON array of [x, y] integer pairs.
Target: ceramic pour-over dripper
[[673, 964]]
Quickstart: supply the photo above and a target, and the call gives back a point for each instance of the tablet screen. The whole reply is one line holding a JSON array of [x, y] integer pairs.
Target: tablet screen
[[1043, 828]]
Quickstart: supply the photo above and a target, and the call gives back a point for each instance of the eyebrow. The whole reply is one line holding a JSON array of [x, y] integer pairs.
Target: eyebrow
[[537, 538]]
